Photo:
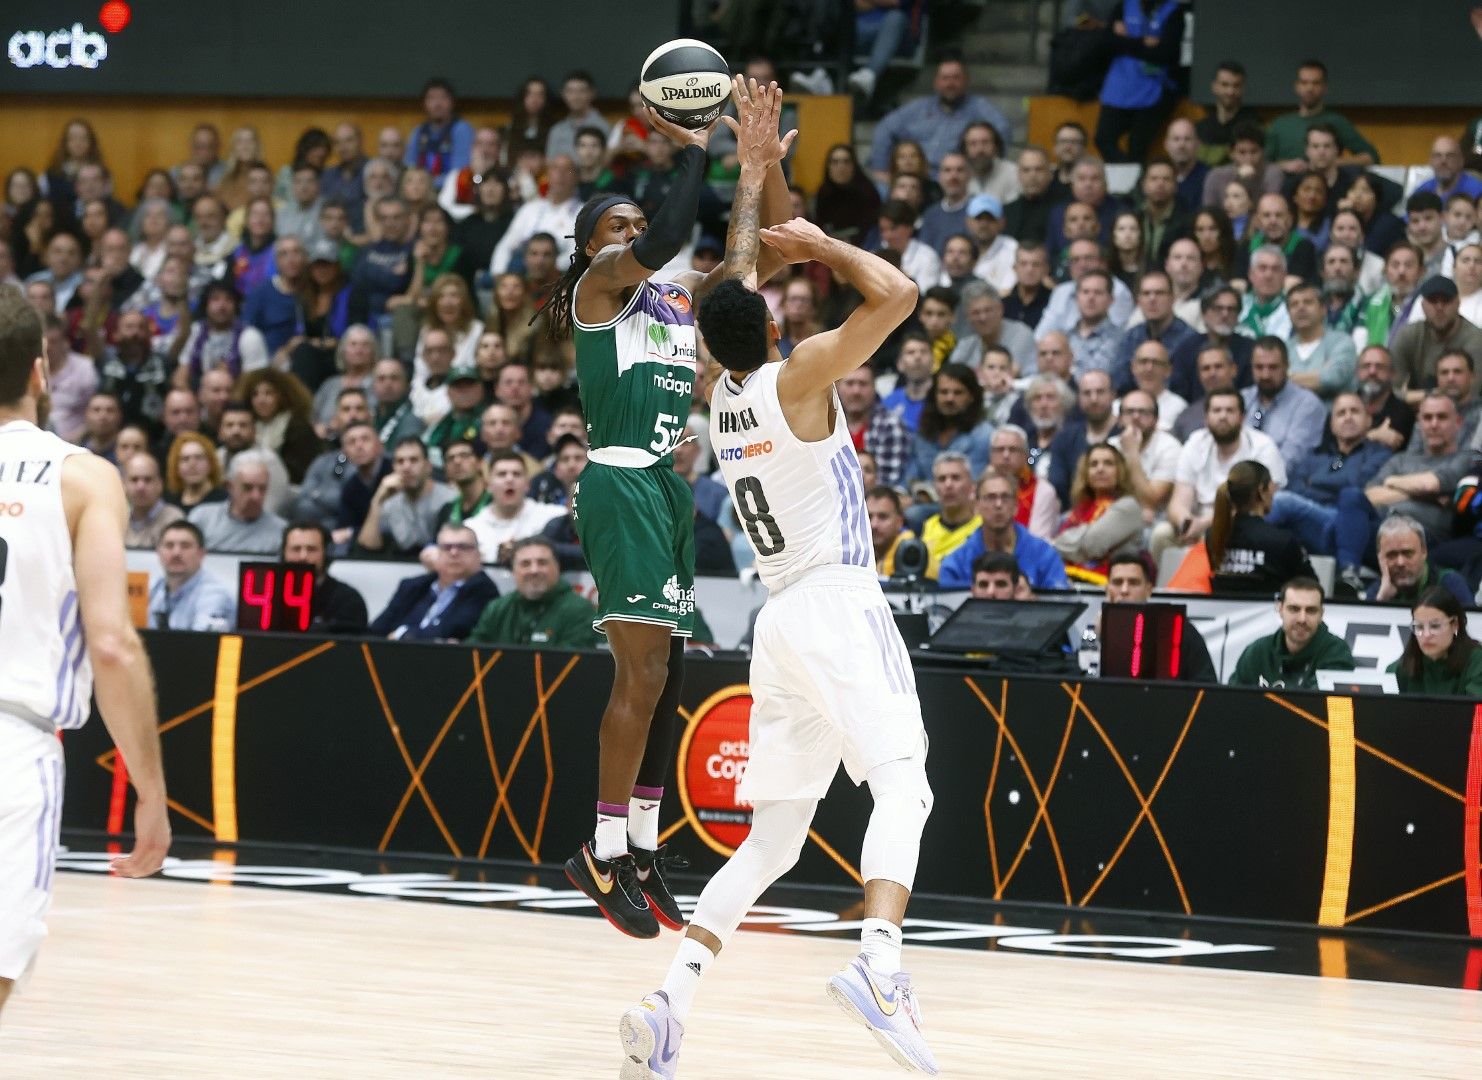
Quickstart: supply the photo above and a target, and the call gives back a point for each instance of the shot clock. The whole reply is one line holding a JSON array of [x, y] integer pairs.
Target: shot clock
[[275, 596]]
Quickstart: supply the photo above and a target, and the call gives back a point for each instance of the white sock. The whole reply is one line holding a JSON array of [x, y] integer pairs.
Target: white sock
[[612, 833], [690, 963], [643, 818], [880, 944]]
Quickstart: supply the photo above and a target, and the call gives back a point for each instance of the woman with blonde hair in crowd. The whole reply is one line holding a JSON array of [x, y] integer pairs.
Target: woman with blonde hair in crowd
[[450, 307], [416, 190], [1247, 554], [1104, 518], [1440, 657], [513, 309], [193, 472], [244, 151], [283, 413]]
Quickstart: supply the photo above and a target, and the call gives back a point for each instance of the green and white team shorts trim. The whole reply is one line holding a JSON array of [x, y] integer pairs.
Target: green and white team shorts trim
[[637, 531]]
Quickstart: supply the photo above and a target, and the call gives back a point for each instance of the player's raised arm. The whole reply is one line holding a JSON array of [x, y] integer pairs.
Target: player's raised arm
[[889, 296], [620, 265], [121, 675]]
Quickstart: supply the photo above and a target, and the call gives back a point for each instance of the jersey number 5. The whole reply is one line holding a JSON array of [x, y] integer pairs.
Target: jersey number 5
[[751, 502]]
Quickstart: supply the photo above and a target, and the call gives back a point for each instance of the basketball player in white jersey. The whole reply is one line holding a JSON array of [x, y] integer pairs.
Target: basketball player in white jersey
[[64, 620], [830, 677]]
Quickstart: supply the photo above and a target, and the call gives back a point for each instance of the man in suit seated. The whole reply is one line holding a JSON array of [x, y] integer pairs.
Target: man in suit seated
[[444, 605]]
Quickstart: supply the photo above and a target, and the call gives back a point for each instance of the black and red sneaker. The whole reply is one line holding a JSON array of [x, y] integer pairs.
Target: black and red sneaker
[[613, 887], [651, 868]]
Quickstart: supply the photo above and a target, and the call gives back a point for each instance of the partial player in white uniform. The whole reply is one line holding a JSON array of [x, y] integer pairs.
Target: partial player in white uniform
[[830, 676], [63, 610]]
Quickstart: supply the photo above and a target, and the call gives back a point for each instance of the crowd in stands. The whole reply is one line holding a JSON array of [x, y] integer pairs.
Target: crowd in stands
[[1265, 353]]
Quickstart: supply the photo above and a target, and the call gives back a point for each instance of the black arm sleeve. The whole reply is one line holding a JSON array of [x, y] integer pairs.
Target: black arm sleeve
[[671, 226]]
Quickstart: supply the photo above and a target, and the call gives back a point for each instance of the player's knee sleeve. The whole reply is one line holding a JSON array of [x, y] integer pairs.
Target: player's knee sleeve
[[903, 802], [778, 832]]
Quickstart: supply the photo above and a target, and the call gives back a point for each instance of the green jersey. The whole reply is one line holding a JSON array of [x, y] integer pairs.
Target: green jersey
[[637, 375]]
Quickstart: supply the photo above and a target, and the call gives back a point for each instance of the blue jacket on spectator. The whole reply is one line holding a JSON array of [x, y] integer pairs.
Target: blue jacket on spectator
[[1037, 560], [1066, 450], [439, 150], [383, 270], [414, 602], [1175, 335], [277, 315], [975, 444], [1321, 473]]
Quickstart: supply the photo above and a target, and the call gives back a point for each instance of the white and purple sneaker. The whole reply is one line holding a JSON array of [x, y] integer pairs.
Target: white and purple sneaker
[[888, 1008], [651, 1037]]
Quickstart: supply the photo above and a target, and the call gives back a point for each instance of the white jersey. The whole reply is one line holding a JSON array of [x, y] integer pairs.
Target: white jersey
[[45, 677], [802, 503]]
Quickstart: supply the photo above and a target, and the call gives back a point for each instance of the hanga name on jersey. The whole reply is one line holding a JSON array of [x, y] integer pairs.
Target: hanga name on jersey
[[731, 423]]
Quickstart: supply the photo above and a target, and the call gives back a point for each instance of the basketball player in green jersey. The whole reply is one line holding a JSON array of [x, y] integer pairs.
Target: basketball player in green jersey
[[636, 362]]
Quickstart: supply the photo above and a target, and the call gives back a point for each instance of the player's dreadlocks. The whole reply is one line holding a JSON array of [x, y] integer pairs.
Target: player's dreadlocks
[[558, 305]]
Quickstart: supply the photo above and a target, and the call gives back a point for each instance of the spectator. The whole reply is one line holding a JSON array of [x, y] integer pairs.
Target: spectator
[[956, 519], [1129, 580], [1273, 227], [149, 514], [1094, 340], [280, 406], [299, 216], [887, 525], [997, 499], [1440, 658], [1150, 368], [442, 143], [1341, 299], [952, 419], [1414, 483], [1161, 218], [356, 357], [1425, 228], [1406, 571], [1320, 156], [219, 339], [182, 413], [63, 269], [205, 154], [1448, 177], [1155, 323], [1027, 300], [1323, 360], [238, 434], [402, 518], [1418, 346], [553, 215], [1216, 131], [1345, 458], [918, 262], [959, 258], [324, 481], [275, 306], [996, 374], [1392, 420], [342, 180], [1263, 312], [985, 315], [989, 172], [1087, 186], [799, 315], [511, 515], [252, 261], [1248, 554], [499, 430], [1181, 144], [72, 379], [1097, 424], [514, 388], [1455, 379], [1068, 147], [1027, 217], [1460, 223], [996, 251], [1286, 138], [367, 464], [873, 426], [130, 441], [465, 471], [847, 205], [569, 457], [1207, 258], [336, 608], [383, 270], [193, 472], [578, 92], [429, 390], [1048, 400], [1291, 416], [1139, 90], [461, 423], [543, 610], [186, 596], [1370, 199], [242, 523], [102, 421], [213, 244], [1205, 463], [1104, 515], [1292, 656], [948, 216], [1151, 453], [1061, 313], [914, 379], [1467, 273], [531, 120], [1395, 305], [394, 416], [1346, 232], [996, 576], [938, 123], [1216, 372], [442, 605], [1038, 508]]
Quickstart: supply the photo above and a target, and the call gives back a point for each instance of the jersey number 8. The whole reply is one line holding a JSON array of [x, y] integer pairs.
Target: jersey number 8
[[751, 501]]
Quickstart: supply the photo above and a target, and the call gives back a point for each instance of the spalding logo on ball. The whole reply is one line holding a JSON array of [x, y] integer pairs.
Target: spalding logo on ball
[[687, 82]]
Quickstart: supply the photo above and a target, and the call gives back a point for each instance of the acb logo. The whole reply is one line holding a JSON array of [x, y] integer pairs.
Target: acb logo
[[713, 755]]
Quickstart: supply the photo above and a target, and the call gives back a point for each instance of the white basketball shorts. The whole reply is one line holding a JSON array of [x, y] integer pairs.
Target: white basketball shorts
[[831, 681], [30, 818]]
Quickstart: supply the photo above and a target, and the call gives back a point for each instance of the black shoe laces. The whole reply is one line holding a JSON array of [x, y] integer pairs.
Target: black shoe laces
[[625, 872]]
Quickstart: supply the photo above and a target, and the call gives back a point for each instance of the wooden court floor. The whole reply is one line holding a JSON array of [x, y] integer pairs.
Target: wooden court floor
[[168, 980]]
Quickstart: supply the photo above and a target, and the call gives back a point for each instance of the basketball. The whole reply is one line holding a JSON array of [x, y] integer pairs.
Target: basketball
[[686, 81]]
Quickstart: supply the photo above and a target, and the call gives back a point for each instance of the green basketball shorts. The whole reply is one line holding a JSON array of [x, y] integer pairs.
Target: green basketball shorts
[[637, 531]]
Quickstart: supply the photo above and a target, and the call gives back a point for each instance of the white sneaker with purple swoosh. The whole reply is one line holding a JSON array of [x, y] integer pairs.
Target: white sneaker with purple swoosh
[[651, 1037], [888, 1007]]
